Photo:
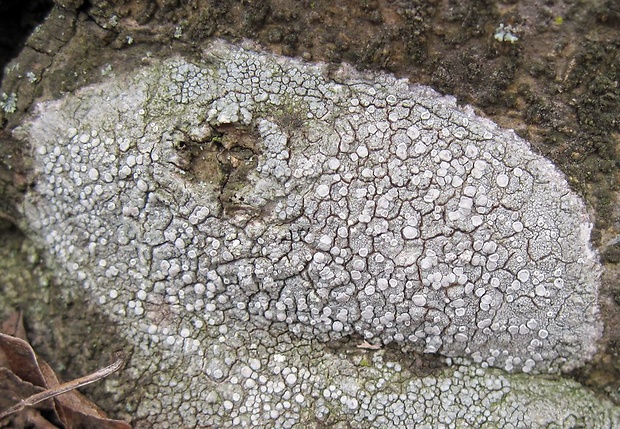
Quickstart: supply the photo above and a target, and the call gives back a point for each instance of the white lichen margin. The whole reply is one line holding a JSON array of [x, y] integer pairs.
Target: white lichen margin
[[376, 208]]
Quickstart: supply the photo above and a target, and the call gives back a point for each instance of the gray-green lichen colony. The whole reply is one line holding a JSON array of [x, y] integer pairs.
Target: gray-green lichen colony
[[236, 212]]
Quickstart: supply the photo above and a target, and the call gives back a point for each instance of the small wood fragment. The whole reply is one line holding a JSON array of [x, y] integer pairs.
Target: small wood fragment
[[66, 387], [367, 346]]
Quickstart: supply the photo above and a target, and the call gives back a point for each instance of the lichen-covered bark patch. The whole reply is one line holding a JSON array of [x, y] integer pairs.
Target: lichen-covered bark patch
[[354, 206]]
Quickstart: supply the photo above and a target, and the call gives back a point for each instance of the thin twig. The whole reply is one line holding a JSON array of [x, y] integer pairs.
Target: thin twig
[[66, 387]]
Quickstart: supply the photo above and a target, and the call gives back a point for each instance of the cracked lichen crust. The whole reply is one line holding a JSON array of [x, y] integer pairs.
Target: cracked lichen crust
[[365, 207], [230, 209]]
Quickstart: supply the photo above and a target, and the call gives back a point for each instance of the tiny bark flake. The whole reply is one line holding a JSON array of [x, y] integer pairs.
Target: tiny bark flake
[[32, 394], [367, 346]]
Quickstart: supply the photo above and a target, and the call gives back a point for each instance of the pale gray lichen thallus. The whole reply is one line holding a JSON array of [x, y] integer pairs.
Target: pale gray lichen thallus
[[350, 205]]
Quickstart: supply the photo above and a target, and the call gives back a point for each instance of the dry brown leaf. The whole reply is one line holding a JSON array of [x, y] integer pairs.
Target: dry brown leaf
[[14, 326], [18, 366], [17, 355], [14, 389], [27, 380], [75, 410]]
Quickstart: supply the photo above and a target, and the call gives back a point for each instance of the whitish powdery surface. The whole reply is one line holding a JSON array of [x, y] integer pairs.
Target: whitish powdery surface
[[234, 213]]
